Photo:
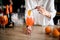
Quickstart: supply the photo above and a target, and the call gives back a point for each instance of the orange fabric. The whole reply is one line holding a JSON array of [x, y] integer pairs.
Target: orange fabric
[[10, 8], [29, 21], [7, 9]]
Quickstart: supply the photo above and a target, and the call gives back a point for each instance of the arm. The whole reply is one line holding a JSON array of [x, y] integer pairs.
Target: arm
[[50, 11], [51, 8]]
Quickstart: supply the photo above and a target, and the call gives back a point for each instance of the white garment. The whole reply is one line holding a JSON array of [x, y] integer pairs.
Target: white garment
[[39, 18], [15, 18]]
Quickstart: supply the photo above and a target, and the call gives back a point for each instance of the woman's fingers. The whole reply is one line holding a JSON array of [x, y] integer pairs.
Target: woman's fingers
[[37, 7], [41, 10]]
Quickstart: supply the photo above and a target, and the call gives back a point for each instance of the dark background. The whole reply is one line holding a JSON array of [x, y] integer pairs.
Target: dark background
[[16, 4], [57, 7]]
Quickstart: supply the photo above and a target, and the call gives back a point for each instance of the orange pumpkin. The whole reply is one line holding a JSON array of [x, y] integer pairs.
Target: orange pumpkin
[[5, 20], [58, 30], [48, 29], [55, 32], [29, 21]]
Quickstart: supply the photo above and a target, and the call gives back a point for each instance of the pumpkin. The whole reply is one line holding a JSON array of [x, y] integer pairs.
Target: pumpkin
[[48, 29], [5, 18], [58, 30], [55, 32]]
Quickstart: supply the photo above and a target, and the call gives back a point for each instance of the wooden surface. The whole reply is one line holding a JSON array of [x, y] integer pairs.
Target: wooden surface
[[17, 33]]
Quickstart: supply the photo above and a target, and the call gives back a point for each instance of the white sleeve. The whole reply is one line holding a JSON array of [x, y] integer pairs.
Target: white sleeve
[[30, 4], [27, 4], [51, 8]]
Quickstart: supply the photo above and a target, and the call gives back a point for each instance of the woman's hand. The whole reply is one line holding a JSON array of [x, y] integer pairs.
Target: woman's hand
[[43, 11]]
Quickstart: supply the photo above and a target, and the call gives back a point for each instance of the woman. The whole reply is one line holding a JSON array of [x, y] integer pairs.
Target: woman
[[43, 11]]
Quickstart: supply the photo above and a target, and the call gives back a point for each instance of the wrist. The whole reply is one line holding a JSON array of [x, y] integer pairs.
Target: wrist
[[48, 14]]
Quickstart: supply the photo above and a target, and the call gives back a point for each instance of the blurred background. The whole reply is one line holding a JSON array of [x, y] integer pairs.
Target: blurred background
[[19, 8]]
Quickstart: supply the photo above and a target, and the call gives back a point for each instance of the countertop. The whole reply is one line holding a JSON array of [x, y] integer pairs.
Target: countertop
[[17, 33]]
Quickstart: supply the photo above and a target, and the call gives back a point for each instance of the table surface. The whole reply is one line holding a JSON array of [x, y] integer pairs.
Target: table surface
[[17, 33]]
